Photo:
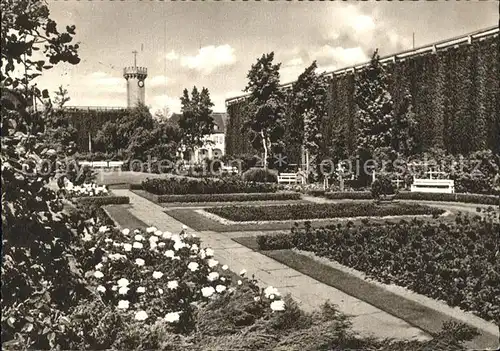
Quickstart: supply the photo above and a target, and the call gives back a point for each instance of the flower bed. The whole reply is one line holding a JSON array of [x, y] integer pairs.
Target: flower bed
[[85, 190], [103, 200], [229, 197], [457, 262], [467, 198], [182, 186], [320, 211]]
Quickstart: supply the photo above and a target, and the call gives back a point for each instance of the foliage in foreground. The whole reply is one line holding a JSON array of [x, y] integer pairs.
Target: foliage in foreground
[[457, 262], [320, 211]]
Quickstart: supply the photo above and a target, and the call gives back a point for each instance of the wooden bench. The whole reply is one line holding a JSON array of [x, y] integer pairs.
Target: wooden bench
[[99, 164], [115, 164], [85, 163], [288, 178], [433, 186], [229, 169]]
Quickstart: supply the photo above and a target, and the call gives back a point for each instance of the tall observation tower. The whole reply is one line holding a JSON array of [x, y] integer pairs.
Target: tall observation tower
[[135, 76]]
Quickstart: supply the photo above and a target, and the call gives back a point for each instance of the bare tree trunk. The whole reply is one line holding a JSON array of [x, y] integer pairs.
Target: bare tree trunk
[[264, 144]]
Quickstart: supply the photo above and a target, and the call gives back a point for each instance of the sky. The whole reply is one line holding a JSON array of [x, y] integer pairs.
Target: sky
[[213, 44]]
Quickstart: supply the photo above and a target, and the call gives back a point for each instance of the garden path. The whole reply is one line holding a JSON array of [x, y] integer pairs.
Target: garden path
[[309, 293]]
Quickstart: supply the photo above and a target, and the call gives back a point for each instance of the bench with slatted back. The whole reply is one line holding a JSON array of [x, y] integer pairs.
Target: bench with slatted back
[[433, 186], [288, 178], [115, 164], [99, 164]]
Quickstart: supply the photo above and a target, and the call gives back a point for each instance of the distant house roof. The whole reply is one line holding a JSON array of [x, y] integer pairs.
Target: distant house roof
[[220, 119]]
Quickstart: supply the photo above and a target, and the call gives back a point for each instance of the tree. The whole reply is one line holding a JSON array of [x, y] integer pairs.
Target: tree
[[382, 122], [115, 136], [36, 238], [59, 132], [196, 121], [266, 103], [375, 113], [308, 110], [162, 114]]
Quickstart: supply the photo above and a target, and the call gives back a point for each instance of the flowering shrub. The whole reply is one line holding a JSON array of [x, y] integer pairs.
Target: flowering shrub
[[85, 190], [148, 275]]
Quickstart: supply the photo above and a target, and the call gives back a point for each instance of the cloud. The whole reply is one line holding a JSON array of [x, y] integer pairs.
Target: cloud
[[172, 56], [104, 79], [209, 58], [158, 102], [339, 57], [159, 81]]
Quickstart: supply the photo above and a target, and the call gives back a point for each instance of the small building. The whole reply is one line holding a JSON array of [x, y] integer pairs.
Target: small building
[[215, 145]]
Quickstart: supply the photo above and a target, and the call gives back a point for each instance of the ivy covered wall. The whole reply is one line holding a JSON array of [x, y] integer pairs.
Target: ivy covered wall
[[90, 121], [455, 95]]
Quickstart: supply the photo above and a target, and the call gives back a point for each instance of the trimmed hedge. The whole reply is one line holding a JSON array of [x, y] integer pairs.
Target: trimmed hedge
[[260, 175], [320, 211], [467, 198], [354, 195], [103, 200], [183, 186], [135, 187], [229, 197]]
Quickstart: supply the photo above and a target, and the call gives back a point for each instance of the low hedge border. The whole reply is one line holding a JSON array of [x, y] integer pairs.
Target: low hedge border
[[136, 187], [103, 200], [466, 198], [321, 211], [228, 197]]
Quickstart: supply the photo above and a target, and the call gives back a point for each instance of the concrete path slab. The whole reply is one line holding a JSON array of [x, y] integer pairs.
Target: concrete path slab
[[308, 292]]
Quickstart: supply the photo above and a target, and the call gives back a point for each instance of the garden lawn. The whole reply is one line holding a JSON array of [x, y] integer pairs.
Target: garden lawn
[[321, 211]]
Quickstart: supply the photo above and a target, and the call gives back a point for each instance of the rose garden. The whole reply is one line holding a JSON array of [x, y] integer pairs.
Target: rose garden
[[174, 256]]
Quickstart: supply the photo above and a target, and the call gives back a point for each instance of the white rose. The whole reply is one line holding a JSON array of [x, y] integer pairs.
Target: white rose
[[141, 316], [193, 266], [212, 276], [207, 291], [98, 274], [220, 288], [157, 275], [172, 317], [123, 304], [278, 305]]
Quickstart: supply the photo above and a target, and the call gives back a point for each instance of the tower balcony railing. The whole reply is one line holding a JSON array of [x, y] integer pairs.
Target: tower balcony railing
[[135, 70]]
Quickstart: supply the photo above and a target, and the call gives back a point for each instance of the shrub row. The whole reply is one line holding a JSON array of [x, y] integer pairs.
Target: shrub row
[[455, 262], [467, 198], [260, 175], [182, 186], [229, 197], [320, 211], [103, 200]]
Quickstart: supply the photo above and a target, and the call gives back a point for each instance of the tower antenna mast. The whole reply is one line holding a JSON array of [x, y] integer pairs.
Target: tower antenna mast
[[135, 57]]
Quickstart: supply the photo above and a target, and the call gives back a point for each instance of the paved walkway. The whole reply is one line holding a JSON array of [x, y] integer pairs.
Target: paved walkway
[[309, 293]]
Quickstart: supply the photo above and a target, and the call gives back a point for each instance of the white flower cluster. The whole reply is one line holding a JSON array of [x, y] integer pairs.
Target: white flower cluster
[[151, 259], [87, 189]]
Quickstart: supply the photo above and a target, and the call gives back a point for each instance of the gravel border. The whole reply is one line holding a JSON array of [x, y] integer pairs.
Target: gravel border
[[225, 221]]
